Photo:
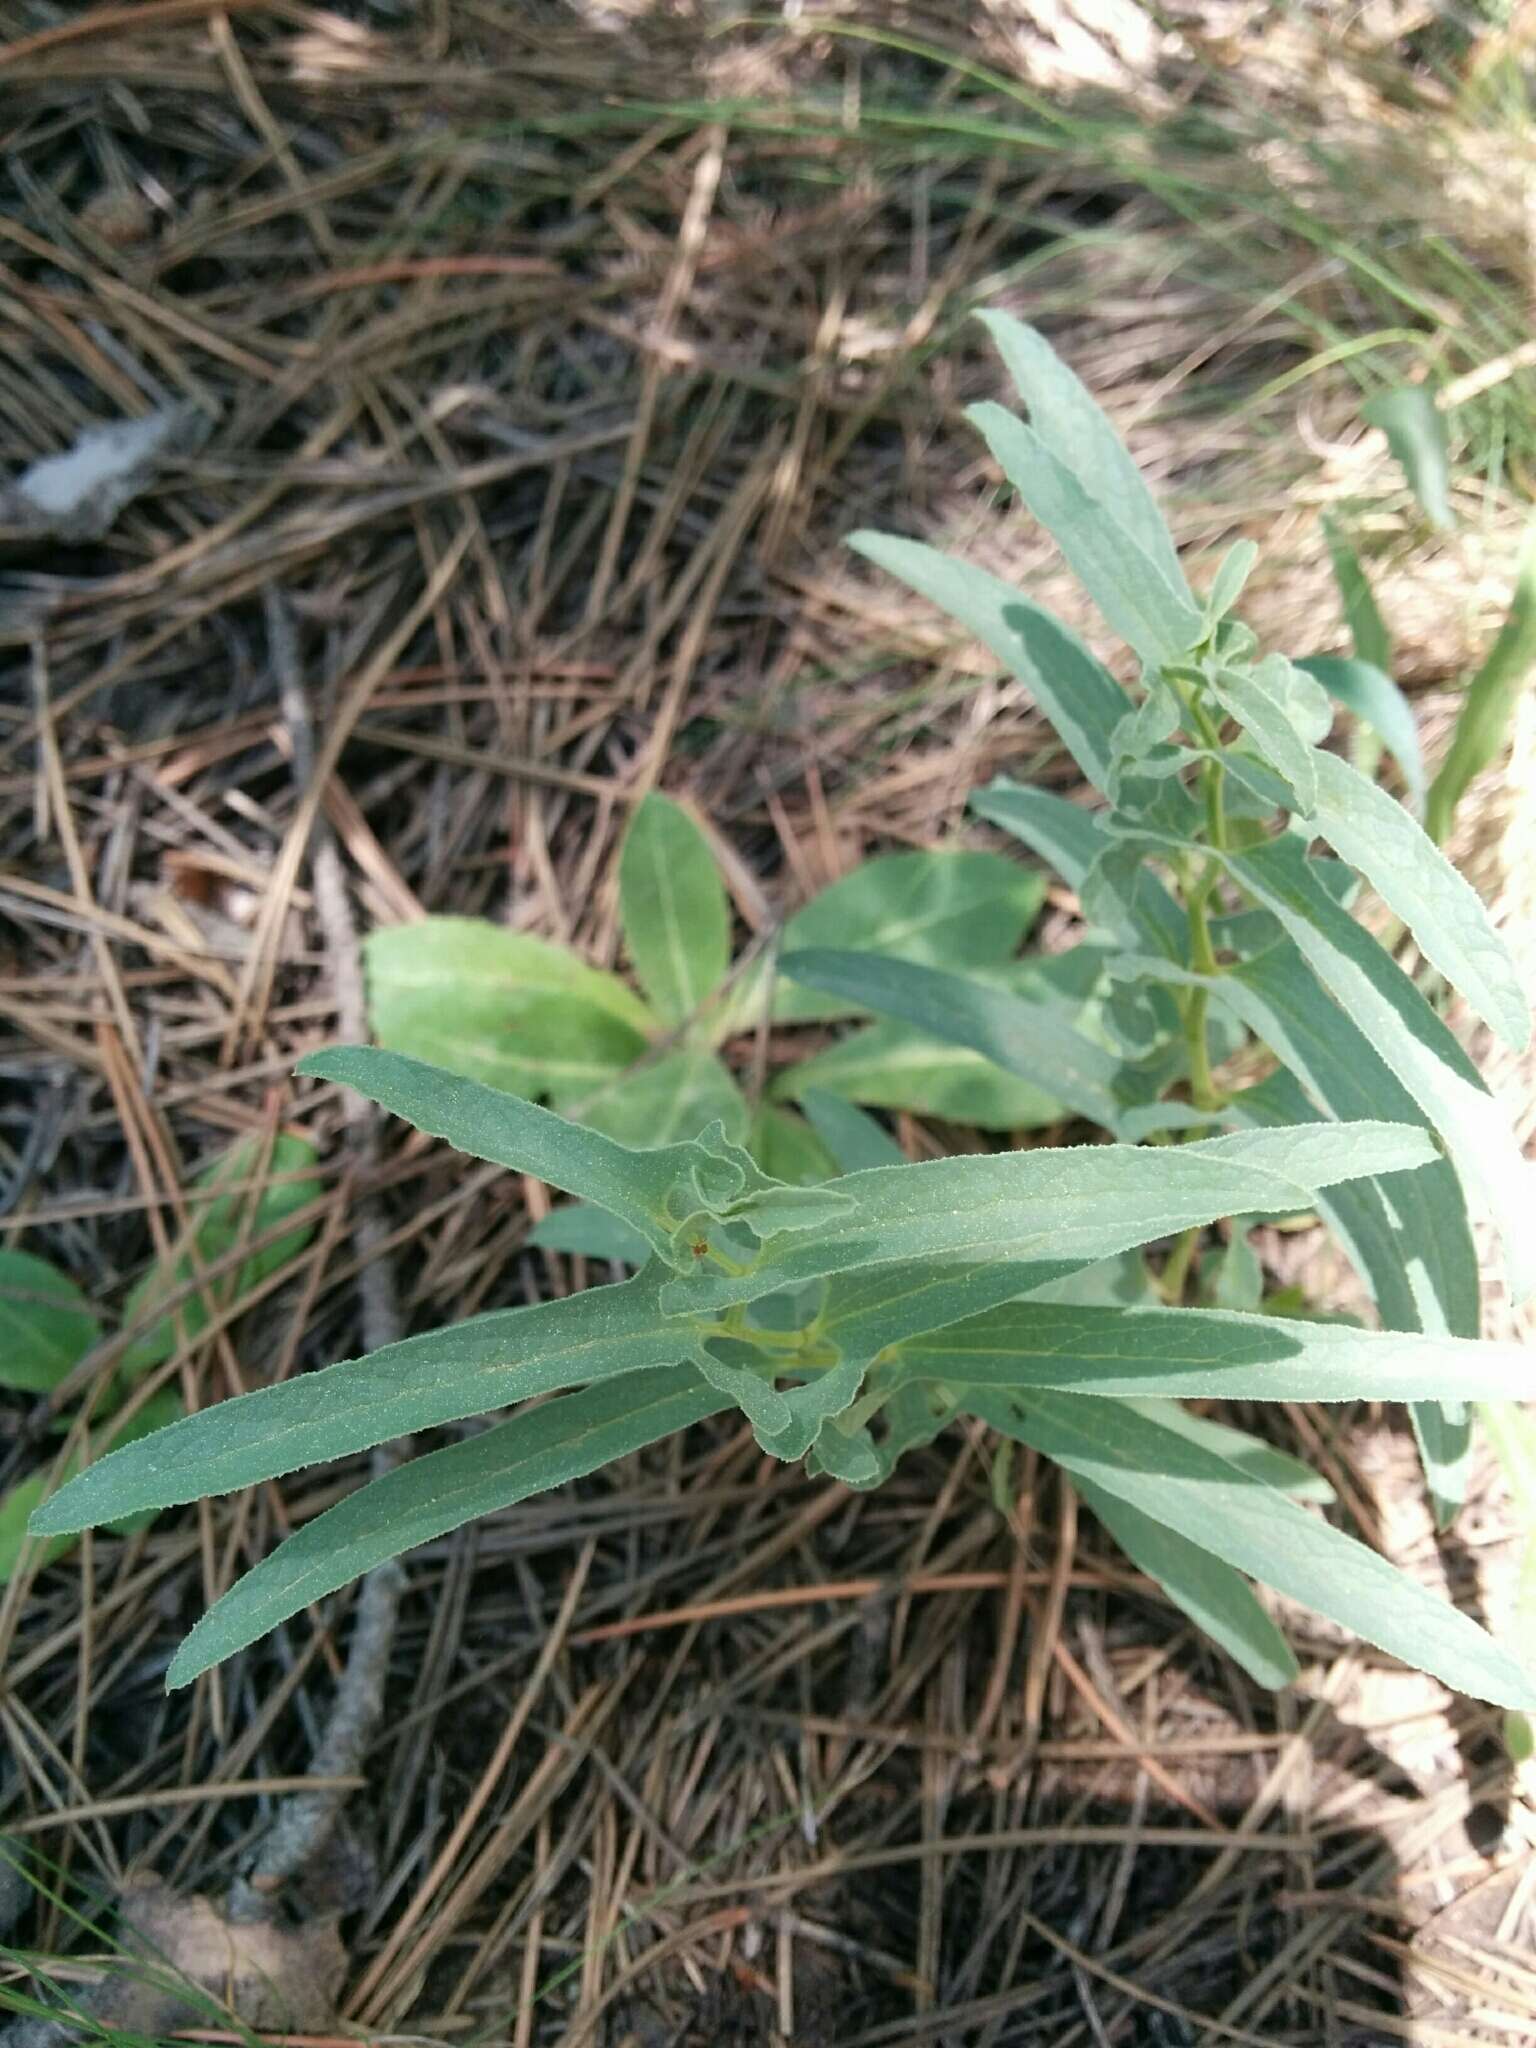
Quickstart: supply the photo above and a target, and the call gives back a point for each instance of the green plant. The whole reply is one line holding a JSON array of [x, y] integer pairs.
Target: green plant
[[1254, 1054], [47, 1328], [525, 1015]]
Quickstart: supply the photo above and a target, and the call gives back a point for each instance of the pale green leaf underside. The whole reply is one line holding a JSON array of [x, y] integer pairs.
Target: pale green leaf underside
[[1078, 695], [1259, 1531], [1373, 832], [1219, 1601], [1212, 1354], [1074, 427], [1070, 1205], [1377, 996], [1370, 693], [1136, 596]]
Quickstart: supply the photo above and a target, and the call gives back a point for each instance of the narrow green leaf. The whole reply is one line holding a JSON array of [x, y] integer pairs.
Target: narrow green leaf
[[665, 1100], [46, 1324], [1063, 833], [654, 1189], [1135, 594], [1250, 1455], [1078, 695], [1219, 1601], [583, 1231], [1232, 573], [1023, 1038], [789, 1148], [219, 1225], [499, 1006], [1209, 1355], [1453, 931], [1482, 724], [1373, 696], [540, 1448], [673, 908], [490, 1361], [1259, 1531], [943, 909], [890, 1065], [854, 1138], [1074, 427], [1254, 698], [1234, 1277], [1415, 429], [1367, 628], [1072, 1205], [1377, 996], [1408, 1234], [1443, 1431]]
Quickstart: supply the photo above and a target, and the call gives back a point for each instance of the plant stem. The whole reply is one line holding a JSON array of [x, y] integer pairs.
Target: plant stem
[[1175, 1273]]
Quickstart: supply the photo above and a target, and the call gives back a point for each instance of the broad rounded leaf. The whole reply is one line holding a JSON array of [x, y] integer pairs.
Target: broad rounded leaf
[[46, 1324], [672, 904]]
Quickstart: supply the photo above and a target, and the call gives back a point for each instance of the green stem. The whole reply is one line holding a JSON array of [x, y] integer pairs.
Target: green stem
[[1175, 1276]]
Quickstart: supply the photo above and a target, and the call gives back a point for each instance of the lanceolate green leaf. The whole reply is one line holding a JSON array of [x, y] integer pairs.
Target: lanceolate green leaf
[[1376, 995], [1372, 695], [1217, 1599], [1409, 1234], [955, 909], [46, 1324], [1078, 695], [1136, 596], [1367, 628], [491, 1361], [1024, 1038], [1373, 832], [1069, 1205], [1415, 429], [1063, 833], [673, 907], [853, 1137], [1259, 1531], [1073, 426], [541, 1448], [1244, 695], [654, 1190], [1482, 724], [1208, 1354]]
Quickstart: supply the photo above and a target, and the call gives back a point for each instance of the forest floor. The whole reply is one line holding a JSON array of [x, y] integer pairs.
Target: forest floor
[[535, 360]]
